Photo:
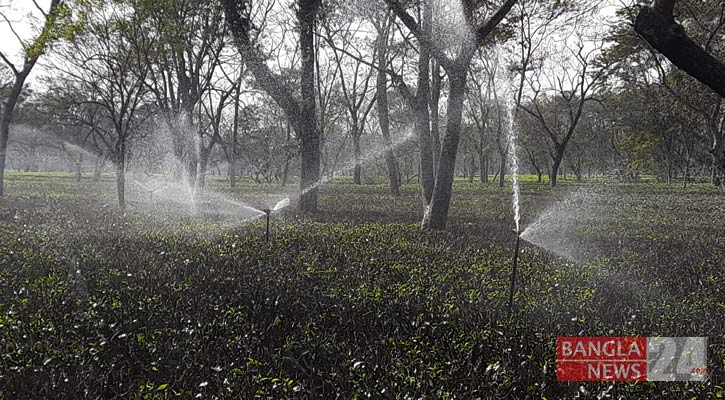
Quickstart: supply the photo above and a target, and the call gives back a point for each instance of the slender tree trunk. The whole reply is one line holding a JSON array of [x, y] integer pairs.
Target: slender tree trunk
[[555, 163], [384, 121], [381, 86], [502, 171], [484, 167], [357, 174], [434, 116], [686, 174], [437, 215], [310, 134], [717, 152], [121, 176], [473, 170], [7, 116], [203, 164], [422, 113], [79, 168], [285, 171], [235, 138]]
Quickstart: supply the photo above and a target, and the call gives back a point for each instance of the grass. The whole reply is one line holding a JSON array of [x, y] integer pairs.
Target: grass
[[352, 302]]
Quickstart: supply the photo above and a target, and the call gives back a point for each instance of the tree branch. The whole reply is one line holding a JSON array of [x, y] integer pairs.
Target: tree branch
[[658, 27]]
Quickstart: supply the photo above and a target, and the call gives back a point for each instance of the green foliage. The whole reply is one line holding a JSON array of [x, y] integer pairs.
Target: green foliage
[[353, 302], [63, 22]]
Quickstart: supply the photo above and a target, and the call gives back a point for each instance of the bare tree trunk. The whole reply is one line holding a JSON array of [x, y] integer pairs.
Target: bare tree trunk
[[473, 169], [79, 168], [555, 163], [121, 176], [483, 161], [285, 171], [357, 174], [310, 134], [502, 170], [7, 116], [437, 215], [381, 86], [235, 137], [20, 76], [422, 113], [717, 152], [435, 97]]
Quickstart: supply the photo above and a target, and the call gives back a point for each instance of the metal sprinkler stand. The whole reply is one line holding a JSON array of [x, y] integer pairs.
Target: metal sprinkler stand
[[513, 271], [268, 212]]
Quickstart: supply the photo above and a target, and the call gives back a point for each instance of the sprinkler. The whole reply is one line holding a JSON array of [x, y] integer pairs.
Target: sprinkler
[[268, 212], [149, 190], [513, 270]]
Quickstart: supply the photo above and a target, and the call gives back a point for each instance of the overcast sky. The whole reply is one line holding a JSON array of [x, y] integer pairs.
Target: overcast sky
[[25, 19], [23, 15]]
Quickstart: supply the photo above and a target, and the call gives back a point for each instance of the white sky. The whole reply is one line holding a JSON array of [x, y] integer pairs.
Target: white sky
[[25, 19]]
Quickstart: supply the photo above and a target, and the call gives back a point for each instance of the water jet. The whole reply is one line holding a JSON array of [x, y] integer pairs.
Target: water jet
[[149, 190], [514, 266]]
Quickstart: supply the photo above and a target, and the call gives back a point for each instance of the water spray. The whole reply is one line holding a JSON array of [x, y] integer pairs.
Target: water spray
[[149, 190], [514, 266]]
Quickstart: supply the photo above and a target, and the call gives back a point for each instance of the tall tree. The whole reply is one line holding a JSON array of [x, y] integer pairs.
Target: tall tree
[[32, 51], [383, 27], [474, 36], [188, 38], [356, 86], [559, 115], [300, 111], [102, 85]]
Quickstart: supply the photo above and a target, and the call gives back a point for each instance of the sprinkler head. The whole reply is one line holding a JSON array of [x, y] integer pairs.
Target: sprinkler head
[[267, 211]]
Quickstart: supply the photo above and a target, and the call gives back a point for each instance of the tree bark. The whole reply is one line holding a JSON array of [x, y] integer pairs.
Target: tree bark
[[435, 97], [357, 173], [121, 176], [472, 175], [658, 27], [235, 137], [502, 171], [383, 109], [558, 156], [384, 121], [716, 129], [422, 112], [310, 135], [79, 168], [12, 100], [483, 161], [7, 117], [285, 171], [437, 215]]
